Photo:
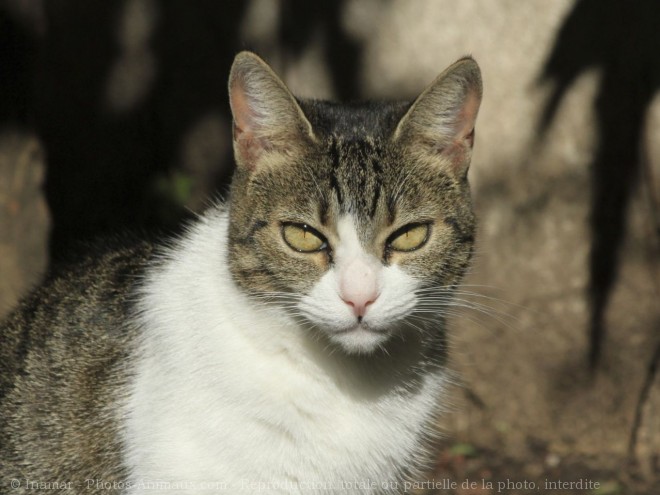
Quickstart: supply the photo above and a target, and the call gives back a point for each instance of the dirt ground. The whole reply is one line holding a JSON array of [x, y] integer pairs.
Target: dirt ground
[[481, 472], [114, 115]]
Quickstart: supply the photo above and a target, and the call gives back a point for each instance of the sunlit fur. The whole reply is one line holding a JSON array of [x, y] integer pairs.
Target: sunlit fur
[[259, 362], [229, 361], [229, 388]]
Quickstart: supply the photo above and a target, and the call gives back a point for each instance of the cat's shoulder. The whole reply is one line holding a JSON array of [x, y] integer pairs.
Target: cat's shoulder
[[86, 270], [86, 299]]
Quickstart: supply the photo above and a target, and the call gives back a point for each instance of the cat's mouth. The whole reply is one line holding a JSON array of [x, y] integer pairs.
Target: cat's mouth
[[361, 326], [360, 338]]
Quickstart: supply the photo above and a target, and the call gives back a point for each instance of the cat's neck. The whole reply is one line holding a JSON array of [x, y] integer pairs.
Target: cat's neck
[[213, 362]]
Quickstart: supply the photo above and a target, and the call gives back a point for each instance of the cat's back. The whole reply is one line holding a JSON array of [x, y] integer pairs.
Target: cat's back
[[62, 363]]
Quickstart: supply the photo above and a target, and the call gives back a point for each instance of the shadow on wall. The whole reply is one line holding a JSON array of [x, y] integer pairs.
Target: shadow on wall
[[622, 40], [19, 29], [302, 20], [119, 84], [129, 99]]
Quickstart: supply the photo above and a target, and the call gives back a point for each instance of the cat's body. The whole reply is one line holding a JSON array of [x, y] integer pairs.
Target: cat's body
[[65, 360], [292, 342]]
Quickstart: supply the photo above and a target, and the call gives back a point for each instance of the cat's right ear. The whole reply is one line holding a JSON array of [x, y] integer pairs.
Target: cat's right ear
[[439, 126], [268, 122]]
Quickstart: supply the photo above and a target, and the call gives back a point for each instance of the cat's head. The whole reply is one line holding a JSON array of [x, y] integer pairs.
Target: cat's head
[[355, 218]]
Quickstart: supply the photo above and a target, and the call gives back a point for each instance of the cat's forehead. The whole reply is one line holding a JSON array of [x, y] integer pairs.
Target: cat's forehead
[[361, 175], [354, 121], [355, 138]]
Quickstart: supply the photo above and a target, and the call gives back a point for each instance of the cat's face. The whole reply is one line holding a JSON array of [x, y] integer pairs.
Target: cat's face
[[355, 219]]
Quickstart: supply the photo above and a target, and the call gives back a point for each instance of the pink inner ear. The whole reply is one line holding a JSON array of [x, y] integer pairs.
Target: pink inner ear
[[243, 118], [469, 139], [457, 152], [248, 145], [467, 118]]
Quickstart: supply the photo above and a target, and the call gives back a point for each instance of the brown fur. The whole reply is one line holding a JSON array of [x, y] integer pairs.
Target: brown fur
[[62, 374], [65, 351], [387, 164]]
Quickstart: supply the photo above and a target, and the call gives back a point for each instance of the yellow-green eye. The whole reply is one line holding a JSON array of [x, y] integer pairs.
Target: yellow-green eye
[[303, 238], [409, 237]]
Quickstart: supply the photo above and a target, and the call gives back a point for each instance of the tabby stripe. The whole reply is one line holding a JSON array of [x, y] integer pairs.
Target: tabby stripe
[[249, 272], [374, 202], [249, 237], [377, 168], [391, 209], [463, 238], [323, 210], [334, 183]]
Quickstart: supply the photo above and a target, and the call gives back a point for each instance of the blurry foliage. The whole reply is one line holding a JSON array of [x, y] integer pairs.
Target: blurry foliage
[[464, 450]]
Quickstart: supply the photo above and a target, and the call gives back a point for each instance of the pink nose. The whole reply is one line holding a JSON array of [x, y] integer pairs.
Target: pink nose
[[358, 287], [359, 304]]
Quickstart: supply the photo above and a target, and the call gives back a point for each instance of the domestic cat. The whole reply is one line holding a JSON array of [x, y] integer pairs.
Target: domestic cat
[[291, 341]]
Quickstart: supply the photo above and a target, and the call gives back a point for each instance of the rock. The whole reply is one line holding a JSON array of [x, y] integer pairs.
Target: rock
[[24, 220]]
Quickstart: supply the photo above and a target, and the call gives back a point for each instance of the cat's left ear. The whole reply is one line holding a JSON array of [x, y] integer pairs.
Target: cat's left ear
[[439, 126], [269, 125]]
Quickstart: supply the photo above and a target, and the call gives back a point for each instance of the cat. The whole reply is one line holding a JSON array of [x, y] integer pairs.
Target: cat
[[291, 341]]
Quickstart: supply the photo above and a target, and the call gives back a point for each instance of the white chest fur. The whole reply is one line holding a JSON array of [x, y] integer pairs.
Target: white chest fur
[[229, 397]]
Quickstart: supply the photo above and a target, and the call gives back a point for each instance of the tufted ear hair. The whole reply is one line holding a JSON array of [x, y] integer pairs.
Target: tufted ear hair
[[267, 117], [440, 123]]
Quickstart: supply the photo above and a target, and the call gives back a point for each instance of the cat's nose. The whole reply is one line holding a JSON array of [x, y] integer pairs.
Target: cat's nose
[[359, 304], [358, 287]]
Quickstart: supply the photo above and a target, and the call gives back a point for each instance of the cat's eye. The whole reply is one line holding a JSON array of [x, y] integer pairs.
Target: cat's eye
[[303, 238], [409, 237]]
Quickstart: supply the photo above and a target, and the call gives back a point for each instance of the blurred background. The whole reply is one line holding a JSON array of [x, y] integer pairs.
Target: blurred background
[[114, 115]]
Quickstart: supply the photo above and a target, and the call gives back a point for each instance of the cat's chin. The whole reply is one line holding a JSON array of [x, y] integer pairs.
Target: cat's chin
[[359, 339]]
